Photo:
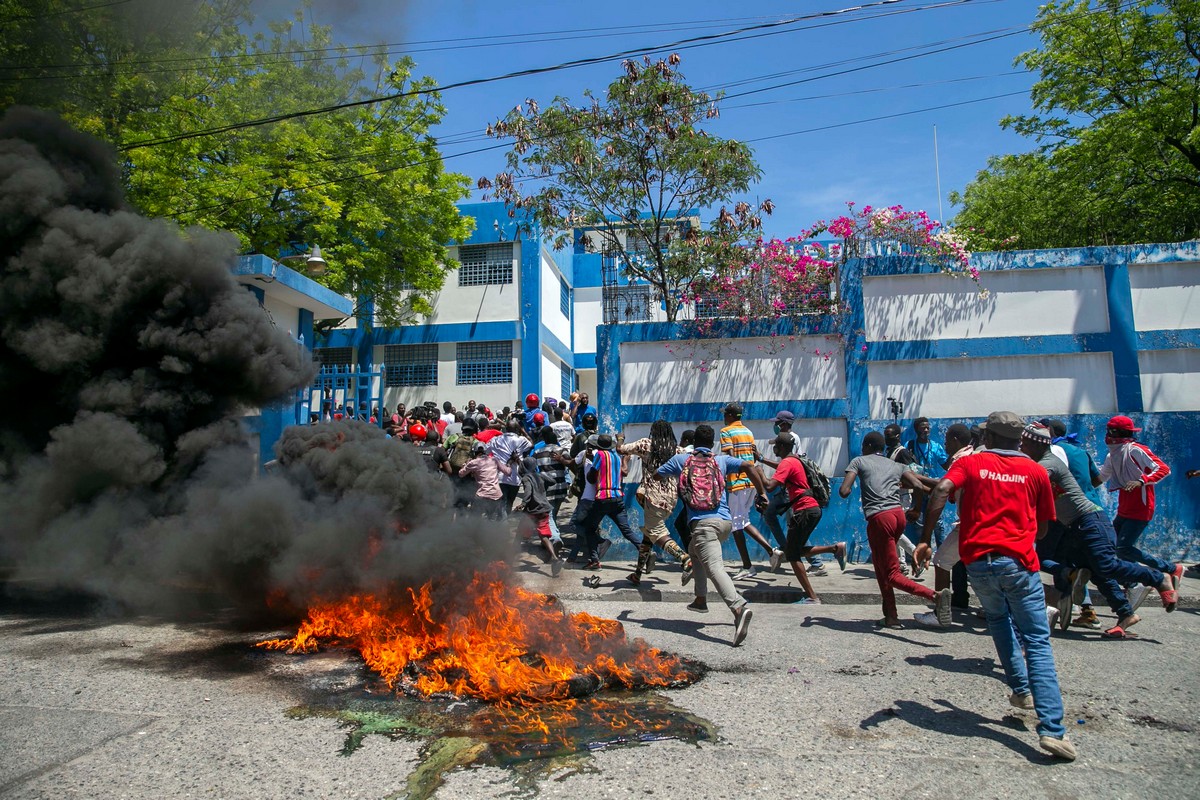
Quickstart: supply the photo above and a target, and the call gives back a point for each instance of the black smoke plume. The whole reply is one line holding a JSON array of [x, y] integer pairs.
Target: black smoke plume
[[128, 355]]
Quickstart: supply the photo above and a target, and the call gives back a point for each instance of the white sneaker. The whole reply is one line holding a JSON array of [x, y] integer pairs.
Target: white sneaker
[[752, 573], [776, 559], [1137, 595], [742, 574], [928, 619], [1051, 616]]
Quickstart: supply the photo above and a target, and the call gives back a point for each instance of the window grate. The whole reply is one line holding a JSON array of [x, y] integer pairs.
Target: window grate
[[568, 380], [334, 356], [483, 362], [564, 298], [410, 365], [485, 264]]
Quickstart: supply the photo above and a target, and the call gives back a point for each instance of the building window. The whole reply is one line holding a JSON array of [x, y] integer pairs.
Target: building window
[[410, 365], [622, 304], [484, 362], [568, 381], [334, 356], [564, 297], [485, 264]]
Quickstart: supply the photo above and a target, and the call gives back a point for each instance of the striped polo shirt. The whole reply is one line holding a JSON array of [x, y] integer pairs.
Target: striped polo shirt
[[608, 482], [737, 441]]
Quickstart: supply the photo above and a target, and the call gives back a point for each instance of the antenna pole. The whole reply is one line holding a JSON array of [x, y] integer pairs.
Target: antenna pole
[[937, 171]]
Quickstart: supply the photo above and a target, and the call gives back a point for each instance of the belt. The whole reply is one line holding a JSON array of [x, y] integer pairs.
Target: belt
[[990, 557]]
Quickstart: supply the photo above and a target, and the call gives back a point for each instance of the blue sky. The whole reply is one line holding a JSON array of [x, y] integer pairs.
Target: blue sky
[[810, 175]]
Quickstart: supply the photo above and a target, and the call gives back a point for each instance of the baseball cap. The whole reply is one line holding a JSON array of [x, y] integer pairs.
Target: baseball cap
[[785, 416], [1004, 423], [1036, 432], [733, 410], [1122, 423]]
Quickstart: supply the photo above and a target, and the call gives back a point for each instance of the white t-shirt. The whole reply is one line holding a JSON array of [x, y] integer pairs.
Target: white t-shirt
[[589, 488]]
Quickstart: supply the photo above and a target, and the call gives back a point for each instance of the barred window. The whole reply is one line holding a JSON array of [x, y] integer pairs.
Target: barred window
[[334, 356], [484, 264], [568, 380], [564, 298], [410, 365], [484, 362]]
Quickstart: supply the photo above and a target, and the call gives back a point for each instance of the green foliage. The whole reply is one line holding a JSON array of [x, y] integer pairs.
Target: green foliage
[[634, 172], [366, 183], [1118, 133]]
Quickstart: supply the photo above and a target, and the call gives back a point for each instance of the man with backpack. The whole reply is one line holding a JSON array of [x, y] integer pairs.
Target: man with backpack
[[702, 476], [457, 453], [808, 492]]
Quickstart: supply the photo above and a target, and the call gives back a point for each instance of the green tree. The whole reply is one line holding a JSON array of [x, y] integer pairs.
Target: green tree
[[634, 172], [1118, 130], [365, 182]]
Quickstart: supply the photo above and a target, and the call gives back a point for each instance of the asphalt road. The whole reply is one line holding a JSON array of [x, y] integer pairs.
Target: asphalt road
[[815, 703]]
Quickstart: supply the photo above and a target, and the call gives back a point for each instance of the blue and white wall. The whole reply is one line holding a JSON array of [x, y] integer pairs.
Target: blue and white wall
[[1079, 334], [293, 302], [524, 314]]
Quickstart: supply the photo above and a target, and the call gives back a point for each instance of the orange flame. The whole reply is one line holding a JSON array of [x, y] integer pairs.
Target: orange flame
[[488, 640]]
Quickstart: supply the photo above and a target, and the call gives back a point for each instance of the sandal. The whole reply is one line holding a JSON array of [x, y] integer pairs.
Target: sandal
[[1117, 632], [1170, 599]]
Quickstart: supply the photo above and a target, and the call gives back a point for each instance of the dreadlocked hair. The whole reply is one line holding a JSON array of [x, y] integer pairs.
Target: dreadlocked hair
[[662, 444]]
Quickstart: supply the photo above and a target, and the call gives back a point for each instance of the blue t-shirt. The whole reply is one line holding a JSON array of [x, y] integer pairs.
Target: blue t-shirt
[[580, 414], [930, 456], [728, 465], [1082, 468]]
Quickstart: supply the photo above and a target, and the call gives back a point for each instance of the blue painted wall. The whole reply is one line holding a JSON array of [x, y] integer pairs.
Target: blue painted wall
[[1174, 436]]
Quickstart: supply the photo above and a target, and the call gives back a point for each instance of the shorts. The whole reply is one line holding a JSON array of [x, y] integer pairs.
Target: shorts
[[801, 524], [947, 554], [535, 523], [740, 504]]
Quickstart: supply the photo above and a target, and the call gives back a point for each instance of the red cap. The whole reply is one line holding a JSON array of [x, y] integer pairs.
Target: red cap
[[417, 432], [1122, 423]]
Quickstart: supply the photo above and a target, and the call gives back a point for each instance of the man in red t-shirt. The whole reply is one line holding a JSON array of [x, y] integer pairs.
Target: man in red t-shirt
[[803, 515], [1005, 505]]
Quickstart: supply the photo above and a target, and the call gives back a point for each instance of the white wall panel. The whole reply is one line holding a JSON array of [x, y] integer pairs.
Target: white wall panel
[[825, 440], [551, 305], [1166, 297], [652, 374], [285, 315], [493, 395], [973, 387], [588, 314], [551, 383], [490, 303], [1030, 302], [1170, 380]]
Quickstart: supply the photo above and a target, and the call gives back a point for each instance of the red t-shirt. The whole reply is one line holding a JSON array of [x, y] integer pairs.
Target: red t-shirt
[[487, 435], [790, 473], [1003, 499]]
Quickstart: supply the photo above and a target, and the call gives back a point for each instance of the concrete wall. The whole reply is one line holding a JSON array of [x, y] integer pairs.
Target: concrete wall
[[1079, 334]]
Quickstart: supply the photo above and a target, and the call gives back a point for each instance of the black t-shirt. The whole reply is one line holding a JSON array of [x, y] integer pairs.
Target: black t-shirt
[[901, 456], [440, 456]]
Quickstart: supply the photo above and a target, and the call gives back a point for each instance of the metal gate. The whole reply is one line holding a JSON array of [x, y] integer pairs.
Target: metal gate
[[343, 389]]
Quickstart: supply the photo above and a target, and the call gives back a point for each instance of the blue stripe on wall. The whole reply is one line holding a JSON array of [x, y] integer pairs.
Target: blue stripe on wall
[[1123, 340]]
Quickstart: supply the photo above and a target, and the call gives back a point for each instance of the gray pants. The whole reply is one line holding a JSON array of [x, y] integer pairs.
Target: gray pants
[[705, 550]]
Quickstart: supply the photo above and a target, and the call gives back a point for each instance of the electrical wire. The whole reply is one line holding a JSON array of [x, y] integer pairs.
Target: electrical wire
[[696, 41]]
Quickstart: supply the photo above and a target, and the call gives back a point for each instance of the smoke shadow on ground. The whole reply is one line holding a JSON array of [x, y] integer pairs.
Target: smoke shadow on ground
[[861, 626], [684, 627], [957, 721]]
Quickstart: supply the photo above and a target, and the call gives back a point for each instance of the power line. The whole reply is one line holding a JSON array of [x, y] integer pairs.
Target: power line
[[695, 41]]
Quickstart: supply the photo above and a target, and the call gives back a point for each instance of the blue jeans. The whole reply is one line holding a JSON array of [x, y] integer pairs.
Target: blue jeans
[[614, 509], [1012, 596], [1093, 535], [775, 501], [1128, 532]]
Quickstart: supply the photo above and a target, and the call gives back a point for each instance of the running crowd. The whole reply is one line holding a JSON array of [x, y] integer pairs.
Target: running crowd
[[1027, 495]]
